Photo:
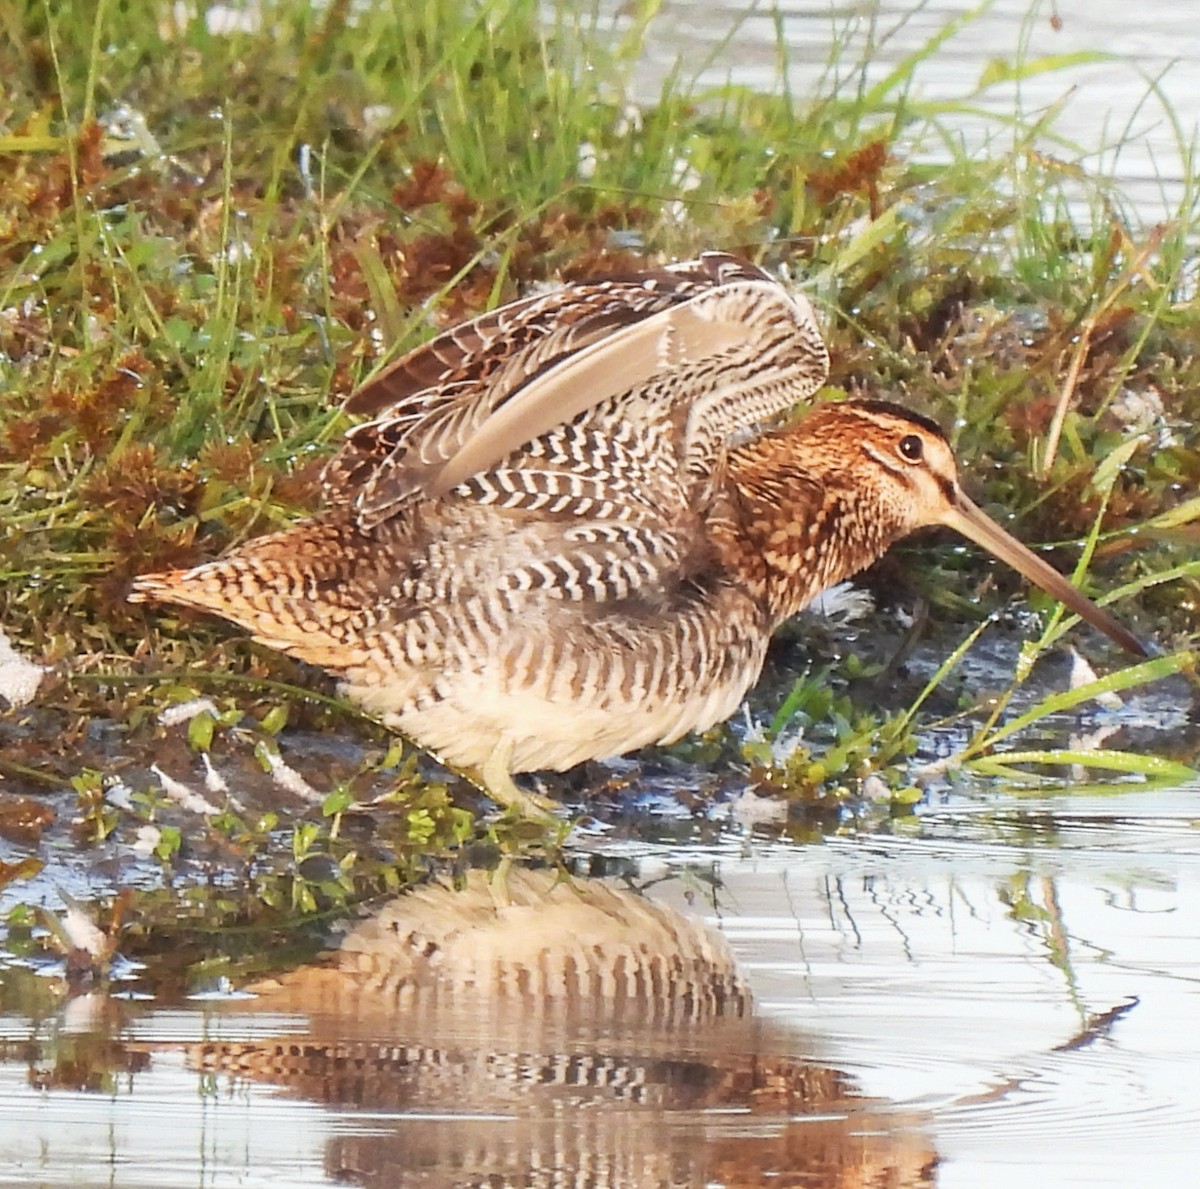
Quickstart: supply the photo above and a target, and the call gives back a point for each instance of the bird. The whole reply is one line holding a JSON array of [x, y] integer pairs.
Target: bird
[[568, 528]]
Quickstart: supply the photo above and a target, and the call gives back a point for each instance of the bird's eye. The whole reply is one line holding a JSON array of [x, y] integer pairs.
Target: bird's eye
[[911, 447]]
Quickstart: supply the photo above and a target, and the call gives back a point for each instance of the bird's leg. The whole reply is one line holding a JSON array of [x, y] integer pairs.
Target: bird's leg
[[494, 776]]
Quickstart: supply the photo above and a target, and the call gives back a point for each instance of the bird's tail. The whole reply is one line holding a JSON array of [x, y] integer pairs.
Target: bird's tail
[[288, 590]]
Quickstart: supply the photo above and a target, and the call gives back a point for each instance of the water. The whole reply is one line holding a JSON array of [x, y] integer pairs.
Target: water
[[1006, 995], [1132, 116]]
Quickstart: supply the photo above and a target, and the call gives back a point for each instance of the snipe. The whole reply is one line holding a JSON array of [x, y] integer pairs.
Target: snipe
[[567, 531]]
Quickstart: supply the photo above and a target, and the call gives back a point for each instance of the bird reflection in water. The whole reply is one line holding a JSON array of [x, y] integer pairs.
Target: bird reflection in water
[[577, 1034]]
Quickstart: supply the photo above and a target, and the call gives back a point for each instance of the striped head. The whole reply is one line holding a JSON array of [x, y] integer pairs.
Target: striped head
[[851, 479]]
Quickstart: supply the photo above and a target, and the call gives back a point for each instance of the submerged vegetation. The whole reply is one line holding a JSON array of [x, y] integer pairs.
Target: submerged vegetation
[[215, 221]]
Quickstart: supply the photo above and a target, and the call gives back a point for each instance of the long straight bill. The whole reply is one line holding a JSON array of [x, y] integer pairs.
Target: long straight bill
[[974, 524]]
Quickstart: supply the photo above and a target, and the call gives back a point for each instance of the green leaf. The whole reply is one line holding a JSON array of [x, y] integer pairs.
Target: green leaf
[[382, 290], [200, 731], [32, 144], [169, 841], [421, 826], [338, 801], [1002, 70], [1152, 767], [876, 232], [274, 720], [395, 753], [1127, 678], [304, 835], [178, 331], [1113, 464]]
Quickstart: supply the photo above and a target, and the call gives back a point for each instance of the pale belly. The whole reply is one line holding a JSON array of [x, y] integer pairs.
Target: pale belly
[[474, 715]]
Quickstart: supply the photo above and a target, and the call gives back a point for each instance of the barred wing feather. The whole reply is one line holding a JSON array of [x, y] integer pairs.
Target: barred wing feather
[[715, 337]]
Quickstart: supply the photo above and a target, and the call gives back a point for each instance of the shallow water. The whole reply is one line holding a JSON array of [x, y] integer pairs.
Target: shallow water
[[1007, 994], [1131, 116]]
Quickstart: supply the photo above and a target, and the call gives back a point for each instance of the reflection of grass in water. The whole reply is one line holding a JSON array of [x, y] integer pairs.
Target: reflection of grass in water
[[1034, 902], [213, 234]]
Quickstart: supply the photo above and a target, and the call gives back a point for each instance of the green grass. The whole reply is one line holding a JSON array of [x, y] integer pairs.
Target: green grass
[[207, 239]]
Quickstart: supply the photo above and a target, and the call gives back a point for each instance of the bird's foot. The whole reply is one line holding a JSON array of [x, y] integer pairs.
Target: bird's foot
[[494, 777]]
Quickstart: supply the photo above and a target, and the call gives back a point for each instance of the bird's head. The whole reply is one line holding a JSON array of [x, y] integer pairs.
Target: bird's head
[[899, 475]]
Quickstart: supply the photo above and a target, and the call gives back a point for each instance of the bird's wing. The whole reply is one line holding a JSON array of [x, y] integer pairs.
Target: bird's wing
[[713, 347]]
